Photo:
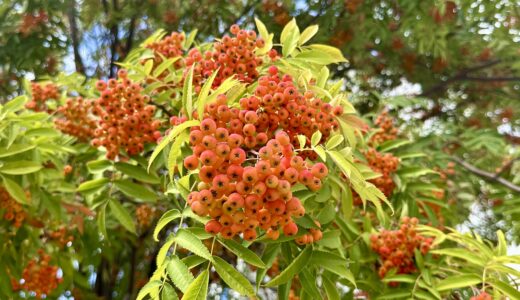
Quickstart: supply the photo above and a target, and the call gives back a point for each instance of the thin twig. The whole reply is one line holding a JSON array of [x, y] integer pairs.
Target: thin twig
[[488, 176], [458, 77]]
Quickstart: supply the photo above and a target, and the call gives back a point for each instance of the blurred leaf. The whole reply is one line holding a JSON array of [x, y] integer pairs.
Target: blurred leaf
[[15, 149], [122, 215], [137, 172], [20, 167], [458, 281], [135, 191], [15, 190]]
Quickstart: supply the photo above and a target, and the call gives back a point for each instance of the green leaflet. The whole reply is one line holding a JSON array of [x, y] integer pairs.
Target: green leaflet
[[291, 270], [122, 215], [232, 277], [243, 252], [137, 172]]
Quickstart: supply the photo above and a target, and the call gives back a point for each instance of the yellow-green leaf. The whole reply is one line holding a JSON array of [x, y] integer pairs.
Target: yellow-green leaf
[[166, 218], [15, 190], [198, 289], [179, 273], [15, 149], [171, 136], [204, 92], [189, 241], [307, 34], [149, 288], [20, 167], [458, 281]]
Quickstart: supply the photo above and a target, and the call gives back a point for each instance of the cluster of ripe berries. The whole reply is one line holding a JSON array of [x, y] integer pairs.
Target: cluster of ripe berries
[[145, 215], [38, 277], [277, 103], [387, 131], [396, 247], [232, 56], [31, 21], [444, 173], [169, 47], [246, 173], [75, 119], [278, 11], [385, 164], [313, 235], [61, 236], [13, 211], [125, 117], [482, 296], [40, 94]]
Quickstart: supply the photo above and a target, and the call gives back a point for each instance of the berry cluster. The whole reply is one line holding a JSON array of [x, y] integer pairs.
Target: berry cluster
[[126, 119], [482, 296], [61, 236], [168, 47], [40, 94], [396, 247], [277, 103], [67, 169], [386, 132], [444, 173], [75, 119], [31, 21], [232, 56], [13, 210], [385, 164], [145, 215], [38, 277], [246, 176], [314, 235], [278, 10]]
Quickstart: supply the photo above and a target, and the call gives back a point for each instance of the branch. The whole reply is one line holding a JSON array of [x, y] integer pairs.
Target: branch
[[131, 31], [486, 79], [506, 167], [488, 176], [71, 14], [459, 76], [114, 32]]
